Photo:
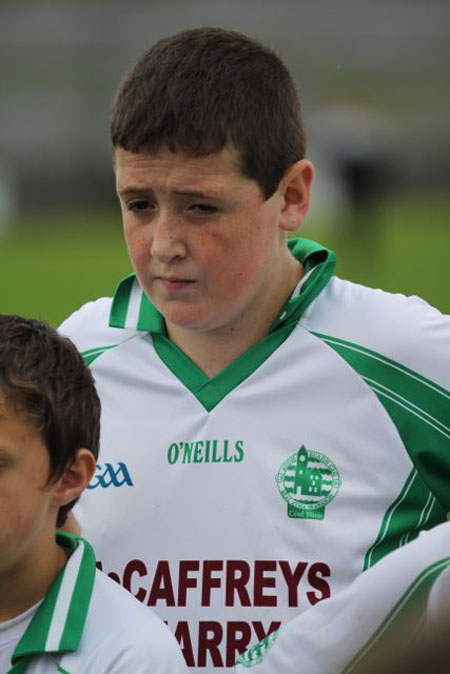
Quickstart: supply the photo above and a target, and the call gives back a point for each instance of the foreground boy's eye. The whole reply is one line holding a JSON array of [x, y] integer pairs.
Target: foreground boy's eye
[[139, 205], [205, 209]]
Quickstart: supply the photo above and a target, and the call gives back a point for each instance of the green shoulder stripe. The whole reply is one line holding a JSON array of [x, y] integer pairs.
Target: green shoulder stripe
[[420, 411], [423, 395], [419, 408], [413, 510], [91, 354]]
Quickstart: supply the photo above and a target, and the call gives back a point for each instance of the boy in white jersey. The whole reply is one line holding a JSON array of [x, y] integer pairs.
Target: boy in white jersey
[[268, 430], [57, 612]]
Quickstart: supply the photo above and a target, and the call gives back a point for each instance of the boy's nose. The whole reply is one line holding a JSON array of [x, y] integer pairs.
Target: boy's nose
[[167, 241]]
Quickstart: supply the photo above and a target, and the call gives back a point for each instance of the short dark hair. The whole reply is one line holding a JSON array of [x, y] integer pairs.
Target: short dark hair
[[201, 89], [43, 376]]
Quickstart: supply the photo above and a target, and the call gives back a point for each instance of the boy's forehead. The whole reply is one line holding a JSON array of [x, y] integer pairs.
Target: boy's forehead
[[3, 411], [11, 410], [5, 405], [221, 165]]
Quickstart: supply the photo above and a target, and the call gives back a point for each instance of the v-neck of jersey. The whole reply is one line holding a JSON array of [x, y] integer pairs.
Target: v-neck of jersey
[[131, 308]]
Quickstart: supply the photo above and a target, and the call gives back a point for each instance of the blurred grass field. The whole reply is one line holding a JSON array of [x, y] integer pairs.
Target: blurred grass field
[[51, 264]]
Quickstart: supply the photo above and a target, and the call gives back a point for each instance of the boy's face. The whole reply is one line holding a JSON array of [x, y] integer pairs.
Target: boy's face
[[204, 242], [27, 508]]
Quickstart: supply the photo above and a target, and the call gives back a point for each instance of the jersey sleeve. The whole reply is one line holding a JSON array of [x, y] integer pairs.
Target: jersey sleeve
[[400, 347], [358, 627]]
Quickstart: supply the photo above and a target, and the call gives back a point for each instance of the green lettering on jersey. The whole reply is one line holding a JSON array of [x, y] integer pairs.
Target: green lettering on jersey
[[173, 453], [206, 451], [198, 457], [187, 451]]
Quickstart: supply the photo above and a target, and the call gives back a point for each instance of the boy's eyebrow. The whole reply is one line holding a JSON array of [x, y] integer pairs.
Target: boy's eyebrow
[[135, 190]]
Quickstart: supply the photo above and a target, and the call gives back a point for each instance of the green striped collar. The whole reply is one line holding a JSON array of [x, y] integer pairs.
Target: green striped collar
[[58, 624], [132, 309]]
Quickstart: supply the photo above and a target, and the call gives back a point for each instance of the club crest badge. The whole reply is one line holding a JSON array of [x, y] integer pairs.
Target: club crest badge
[[308, 481]]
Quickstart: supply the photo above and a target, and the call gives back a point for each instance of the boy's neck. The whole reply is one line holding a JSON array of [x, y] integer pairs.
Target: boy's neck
[[27, 582], [212, 351]]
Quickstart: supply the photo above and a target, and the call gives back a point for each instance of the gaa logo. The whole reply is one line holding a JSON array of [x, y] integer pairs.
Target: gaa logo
[[106, 475], [308, 481]]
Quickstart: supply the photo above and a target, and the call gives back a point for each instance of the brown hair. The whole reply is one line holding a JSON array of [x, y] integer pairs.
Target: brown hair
[[44, 377], [201, 89]]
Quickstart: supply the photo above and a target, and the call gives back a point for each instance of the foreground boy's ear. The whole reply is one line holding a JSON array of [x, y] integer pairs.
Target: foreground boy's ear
[[295, 187], [75, 478]]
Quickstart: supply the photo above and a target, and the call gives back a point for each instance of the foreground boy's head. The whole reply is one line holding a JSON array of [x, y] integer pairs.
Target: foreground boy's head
[[201, 90], [209, 158], [49, 435]]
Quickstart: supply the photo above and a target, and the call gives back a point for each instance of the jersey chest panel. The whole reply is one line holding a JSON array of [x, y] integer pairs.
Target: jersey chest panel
[[233, 520]]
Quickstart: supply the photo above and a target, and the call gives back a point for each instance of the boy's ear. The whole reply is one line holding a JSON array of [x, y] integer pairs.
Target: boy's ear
[[75, 478], [295, 187]]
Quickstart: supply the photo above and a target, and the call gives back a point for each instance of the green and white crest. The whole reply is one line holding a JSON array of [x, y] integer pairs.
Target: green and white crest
[[308, 481], [256, 654]]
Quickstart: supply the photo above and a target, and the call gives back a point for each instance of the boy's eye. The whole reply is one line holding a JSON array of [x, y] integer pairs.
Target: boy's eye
[[139, 205], [205, 209]]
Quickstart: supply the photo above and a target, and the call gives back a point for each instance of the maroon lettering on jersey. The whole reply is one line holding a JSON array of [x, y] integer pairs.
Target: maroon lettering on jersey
[[210, 635], [261, 581], [292, 579], [239, 636], [261, 632], [162, 587], [208, 580], [185, 581], [138, 567], [237, 577], [115, 576], [316, 574], [182, 635]]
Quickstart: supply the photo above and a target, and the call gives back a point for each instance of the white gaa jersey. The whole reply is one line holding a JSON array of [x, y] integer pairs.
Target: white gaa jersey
[[87, 624], [379, 616], [232, 504]]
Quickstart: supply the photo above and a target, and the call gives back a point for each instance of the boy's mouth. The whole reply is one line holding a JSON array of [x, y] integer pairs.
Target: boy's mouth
[[172, 283]]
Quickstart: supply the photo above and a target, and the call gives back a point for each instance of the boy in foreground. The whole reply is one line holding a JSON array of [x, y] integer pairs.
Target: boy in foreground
[[272, 429], [57, 612]]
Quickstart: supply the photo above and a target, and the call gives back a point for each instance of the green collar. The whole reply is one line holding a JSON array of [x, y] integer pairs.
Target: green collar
[[132, 309], [58, 624]]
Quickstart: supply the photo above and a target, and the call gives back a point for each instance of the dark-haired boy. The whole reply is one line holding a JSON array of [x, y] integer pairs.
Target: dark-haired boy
[[273, 429], [57, 612]]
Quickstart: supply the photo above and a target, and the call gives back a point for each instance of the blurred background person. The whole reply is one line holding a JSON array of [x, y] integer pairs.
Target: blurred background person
[[357, 147]]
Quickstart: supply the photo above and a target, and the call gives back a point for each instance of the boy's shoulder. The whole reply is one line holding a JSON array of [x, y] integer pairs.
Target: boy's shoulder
[[402, 329], [109, 321], [88, 327], [122, 635], [88, 623]]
